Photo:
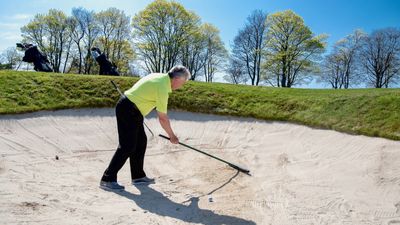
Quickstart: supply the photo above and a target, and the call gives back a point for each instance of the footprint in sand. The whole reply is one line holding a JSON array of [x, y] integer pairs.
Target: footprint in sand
[[283, 160], [394, 222], [31, 205], [2, 168], [398, 208]]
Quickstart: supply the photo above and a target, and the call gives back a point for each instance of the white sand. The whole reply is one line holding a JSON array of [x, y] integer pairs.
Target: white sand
[[300, 175]]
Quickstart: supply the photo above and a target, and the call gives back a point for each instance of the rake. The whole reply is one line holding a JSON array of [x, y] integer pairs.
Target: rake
[[241, 169]]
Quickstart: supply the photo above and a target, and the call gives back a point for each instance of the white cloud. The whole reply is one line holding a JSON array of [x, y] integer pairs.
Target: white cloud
[[14, 22], [10, 26], [21, 16], [8, 39], [10, 36]]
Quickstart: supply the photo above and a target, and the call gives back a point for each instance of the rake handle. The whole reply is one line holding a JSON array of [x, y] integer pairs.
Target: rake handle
[[246, 171]]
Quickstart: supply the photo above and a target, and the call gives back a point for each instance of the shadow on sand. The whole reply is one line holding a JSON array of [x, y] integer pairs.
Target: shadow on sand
[[155, 202]]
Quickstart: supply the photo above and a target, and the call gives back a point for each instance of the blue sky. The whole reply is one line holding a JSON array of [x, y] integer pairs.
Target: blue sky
[[337, 18]]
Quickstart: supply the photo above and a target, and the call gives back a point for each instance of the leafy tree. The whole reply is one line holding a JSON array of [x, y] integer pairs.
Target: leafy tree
[[56, 26], [215, 54], [292, 49], [49, 32], [160, 32], [35, 31], [115, 29], [194, 49], [114, 36]]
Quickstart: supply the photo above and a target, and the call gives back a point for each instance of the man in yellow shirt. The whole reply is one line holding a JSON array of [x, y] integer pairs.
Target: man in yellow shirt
[[148, 93]]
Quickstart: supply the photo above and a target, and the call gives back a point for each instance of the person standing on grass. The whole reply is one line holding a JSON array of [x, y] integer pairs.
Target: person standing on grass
[[148, 93]]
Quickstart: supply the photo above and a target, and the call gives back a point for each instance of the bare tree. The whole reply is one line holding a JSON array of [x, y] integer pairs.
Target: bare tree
[[381, 57], [340, 67], [236, 71], [249, 43], [11, 58], [333, 71], [92, 31], [77, 30], [348, 50]]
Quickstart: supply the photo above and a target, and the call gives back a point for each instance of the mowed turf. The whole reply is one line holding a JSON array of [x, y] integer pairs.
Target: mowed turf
[[372, 112]]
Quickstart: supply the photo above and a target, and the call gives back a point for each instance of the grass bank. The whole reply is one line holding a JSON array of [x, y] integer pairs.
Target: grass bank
[[372, 112]]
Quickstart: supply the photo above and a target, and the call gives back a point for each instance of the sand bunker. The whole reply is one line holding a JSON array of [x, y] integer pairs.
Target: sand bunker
[[300, 175]]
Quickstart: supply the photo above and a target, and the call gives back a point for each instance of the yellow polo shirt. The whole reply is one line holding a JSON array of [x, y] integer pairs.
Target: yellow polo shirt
[[151, 92]]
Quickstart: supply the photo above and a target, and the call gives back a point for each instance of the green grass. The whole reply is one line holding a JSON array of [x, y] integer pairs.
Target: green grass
[[372, 112]]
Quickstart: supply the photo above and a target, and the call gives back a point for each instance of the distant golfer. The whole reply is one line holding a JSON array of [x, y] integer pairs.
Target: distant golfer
[[148, 93]]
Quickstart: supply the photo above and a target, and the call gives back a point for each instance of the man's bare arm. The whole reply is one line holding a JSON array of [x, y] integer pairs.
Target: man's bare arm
[[165, 124]]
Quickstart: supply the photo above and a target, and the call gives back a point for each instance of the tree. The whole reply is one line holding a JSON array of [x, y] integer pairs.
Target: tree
[[49, 32], [348, 48], [292, 49], [235, 71], [194, 49], [381, 57], [11, 59], [160, 32], [92, 31], [35, 32], [115, 31], [340, 66], [56, 27], [77, 31], [333, 72], [215, 52], [70, 23], [114, 26], [124, 56], [249, 43]]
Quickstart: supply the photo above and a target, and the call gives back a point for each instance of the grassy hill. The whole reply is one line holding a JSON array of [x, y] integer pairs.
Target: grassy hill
[[372, 112]]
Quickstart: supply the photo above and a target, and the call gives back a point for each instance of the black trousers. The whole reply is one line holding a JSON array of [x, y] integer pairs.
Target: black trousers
[[132, 141]]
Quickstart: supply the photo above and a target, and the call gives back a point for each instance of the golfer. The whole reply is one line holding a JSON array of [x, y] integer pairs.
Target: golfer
[[148, 93]]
